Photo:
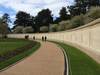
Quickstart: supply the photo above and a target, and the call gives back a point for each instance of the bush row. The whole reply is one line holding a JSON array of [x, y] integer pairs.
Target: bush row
[[21, 29], [92, 14]]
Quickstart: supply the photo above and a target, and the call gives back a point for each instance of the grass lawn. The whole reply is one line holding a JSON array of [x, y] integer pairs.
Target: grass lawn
[[8, 45], [79, 62]]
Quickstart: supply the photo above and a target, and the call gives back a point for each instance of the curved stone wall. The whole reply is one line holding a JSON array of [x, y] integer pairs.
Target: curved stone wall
[[87, 36]]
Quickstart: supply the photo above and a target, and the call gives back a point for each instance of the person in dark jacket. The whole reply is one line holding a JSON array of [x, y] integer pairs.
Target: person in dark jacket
[[33, 37], [45, 38], [42, 38]]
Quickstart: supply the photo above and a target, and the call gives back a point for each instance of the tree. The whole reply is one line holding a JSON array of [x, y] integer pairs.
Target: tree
[[4, 29], [44, 18], [78, 8], [23, 19], [6, 18], [82, 6], [94, 2], [64, 14]]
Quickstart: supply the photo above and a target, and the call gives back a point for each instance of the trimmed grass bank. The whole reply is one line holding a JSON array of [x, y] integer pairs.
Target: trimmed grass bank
[[8, 45], [20, 51], [79, 62]]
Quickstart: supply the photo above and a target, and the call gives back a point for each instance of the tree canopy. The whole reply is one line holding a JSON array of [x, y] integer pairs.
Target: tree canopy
[[82, 6], [44, 18], [4, 20], [23, 19], [64, 14]]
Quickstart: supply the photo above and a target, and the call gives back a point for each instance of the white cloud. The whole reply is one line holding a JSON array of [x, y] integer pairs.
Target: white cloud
[[34, 6], [56, 7], [3, 1], [12, 16], [0, 15]]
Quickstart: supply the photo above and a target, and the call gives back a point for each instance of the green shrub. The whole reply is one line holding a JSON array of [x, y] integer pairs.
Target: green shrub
[[44, 29], [77, 21], [18, 29], [28, 29], [87, 19], [4, 28], [94, 12], [53, 27], [64, 25]]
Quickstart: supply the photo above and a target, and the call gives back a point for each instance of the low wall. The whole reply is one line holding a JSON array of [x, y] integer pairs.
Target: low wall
[[87, 36]]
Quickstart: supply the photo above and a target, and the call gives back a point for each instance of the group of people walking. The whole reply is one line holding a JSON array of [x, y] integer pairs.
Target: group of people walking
[[44, 38]]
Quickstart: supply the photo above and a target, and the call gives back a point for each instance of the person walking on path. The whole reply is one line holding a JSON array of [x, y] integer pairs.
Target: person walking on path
[[45, 38], [33, 37], [42, 38], [26, 36]]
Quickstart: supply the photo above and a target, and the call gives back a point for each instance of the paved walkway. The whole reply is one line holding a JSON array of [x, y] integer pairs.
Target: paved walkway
[[48, 60]]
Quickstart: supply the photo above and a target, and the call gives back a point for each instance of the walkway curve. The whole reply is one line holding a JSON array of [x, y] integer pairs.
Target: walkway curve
[[48, 60]]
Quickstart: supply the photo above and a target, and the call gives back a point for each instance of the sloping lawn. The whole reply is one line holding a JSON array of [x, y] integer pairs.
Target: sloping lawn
[[79, 62], [7, 45], [13, 50]]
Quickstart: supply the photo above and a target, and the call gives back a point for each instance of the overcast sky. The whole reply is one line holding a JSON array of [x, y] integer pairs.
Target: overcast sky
[[32, 6]]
